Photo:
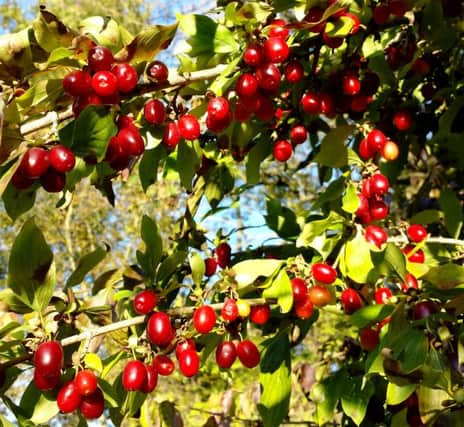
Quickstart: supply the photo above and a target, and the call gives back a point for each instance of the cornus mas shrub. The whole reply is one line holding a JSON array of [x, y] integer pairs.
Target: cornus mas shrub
[[364, 97]]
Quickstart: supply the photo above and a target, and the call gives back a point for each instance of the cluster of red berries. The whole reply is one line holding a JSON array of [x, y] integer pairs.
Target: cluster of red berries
[[102, 82], [372, 206], [416, 234], [48, 166], [221, 258]]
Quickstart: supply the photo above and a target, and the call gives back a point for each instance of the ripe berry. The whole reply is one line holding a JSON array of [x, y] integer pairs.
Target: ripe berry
[[164, 365], [46, 383], [218, 107], [268, 77], [410, 281], [416, 233], [134, 375], [222, 254], [350, 300], [127, 77], [226, 353], [53, 181], [48, 359], [314, 15], [282, 150], [260, 314], [171, 135], [402, 120], [298, 134], [189, 363], [390, 151], [304, 309], [370, 84], [152, 379], [278, 29], [229, 311], [154, 112], [68, 398], [327, 106], [265, 112], [218, 126], [380, 14], [253, 55], [376, 139], [332, 42], [319, 295], [34, 163], [61, 158], [378, 210], [185, 344], [86, 382], [398, 8], [248, 353], [299, 290], [100, 58], [311, 103], [376, 235], [131, 141], [379, 184], [210, 266], [365, 150], [159, 329], [351, 84], [418, 256], [145, 301], [204, 319], [77, 83], [189, 127], [104, 83], [369, 339], [276, 50], [20, 182], [382, 295], [424, 309], [241, 114], [83, 101], [158, 71], [324, 273], [246, 86], [92, 406], [294, 72]]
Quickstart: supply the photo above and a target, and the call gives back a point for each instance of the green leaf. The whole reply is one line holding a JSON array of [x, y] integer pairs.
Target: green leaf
[[148, 167], [355, 398], [446, 276], [316, 229], [86, 264], [427, 216], [39, 407], [50, 32], [391, 259], [207, 36], [350, 200], [147, 44], [276, 381], [14, 304], [431, 403], [16, 56], [246, 272], [105, 30], [339, 28], [366, 316], [281, 219], [17, 202], [188, 162], [219, 182], [253, 161], [333, 151], [379, 65], [356, 260], [170, 264], [93, 361], [281, 288], [92, 132], [150, 259], [197, 265], [414, 352], [31, 271], [452, 210], [397, 394]]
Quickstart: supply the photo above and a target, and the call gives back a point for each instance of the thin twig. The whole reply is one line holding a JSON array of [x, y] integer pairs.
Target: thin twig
[[439, 240]]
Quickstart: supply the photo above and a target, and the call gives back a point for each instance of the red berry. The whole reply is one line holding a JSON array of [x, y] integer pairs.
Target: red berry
[[92, 406], [127, 77], [350, 300], [86, 382], [402, 120], [410, 281], [380, 14], [164, 365], [226, 353], [379, 184], [204, 319], [77, 83], [327, 106], [100, 58], [218, 126], [145, 301], [189, 363], [365, 150], [68, 398], [152, 379], [298, 134], [253, 55], [20, 182], [416, 233], [159, 329], [268, 77], [276, 50], [376, 235], [241, 114], [83, 101], [398, 8], [53, 181], [304, 309], [311, 103], [46, 383], [282, 150], [382, 295], [376, 139], [246, 86], [154, 112], [370, 84], [223, 254], [299, 290], [351, 84], [229, 311], [189, 127], [104, 83], [265, 112], [248, 353], [324, 273], [48, 359], [210, 266], [134, 376], [314, 15], [34, 163], [278, 29], [131, 141], [158, 71], [218, 107], [260, 314], [418, 256], [332, 42], [319, 295], [185, 344], [378, 210], [424, 309], [61, 158], [294, 72], [171, 135], [369, 339]]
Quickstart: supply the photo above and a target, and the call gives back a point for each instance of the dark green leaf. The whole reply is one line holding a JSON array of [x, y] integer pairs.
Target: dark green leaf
[[148, 167], [170, 264], [219, 182], [150, 259], [390, 260], [253, 161], [281, 289], [333, 151], [355, 398], [17, 202], [371, 314], [446, 276], [452, 209], [188, 162], [427, 216], [281, 219]]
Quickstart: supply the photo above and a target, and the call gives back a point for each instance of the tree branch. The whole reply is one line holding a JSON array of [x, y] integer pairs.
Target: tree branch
[[439, 240], [174, 81]]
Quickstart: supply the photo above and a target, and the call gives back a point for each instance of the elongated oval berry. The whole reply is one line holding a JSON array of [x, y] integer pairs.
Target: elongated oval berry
[[402, 120], [218, 107], [171, 135], [134, 376], [145, 301], [424, 309], [298, 134], [294, 72], [53, 181], [48, 359], [46, 383], [210, 266], [204, 319], [416, 233], [378, 210], [319, 295], [248, 353], [304, 309], [164, 365], [34, 163], [379, 184], [189, 127], [131, 141], [268, 77], [376, 235], [365, 150], [351, 301], [229, 310], [311, 103], [246, 86], [104, 83], [77, 83], [253, 55], [276, 50], [226, 353], [369, 339], [184, 344], [390, 151], [418, 256], [68, 398], [127, 77], [410, 282], [189, 363], [92, 406], [223, 253], [158, 71], [154, 112], [382, 295], [260, 314], [61, 158], [282, 150], [376, 139], [324, 273], [152, 379], [100, 58], [86, 382], [159, 329], [299, 290]]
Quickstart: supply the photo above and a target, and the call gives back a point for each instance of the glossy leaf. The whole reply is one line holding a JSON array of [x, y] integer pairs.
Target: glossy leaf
[[356, 260], [333, 151], [197, 265], [281, 289], [86, 264], [371, 314], [150, 258], [246, 272], [355, 398]]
